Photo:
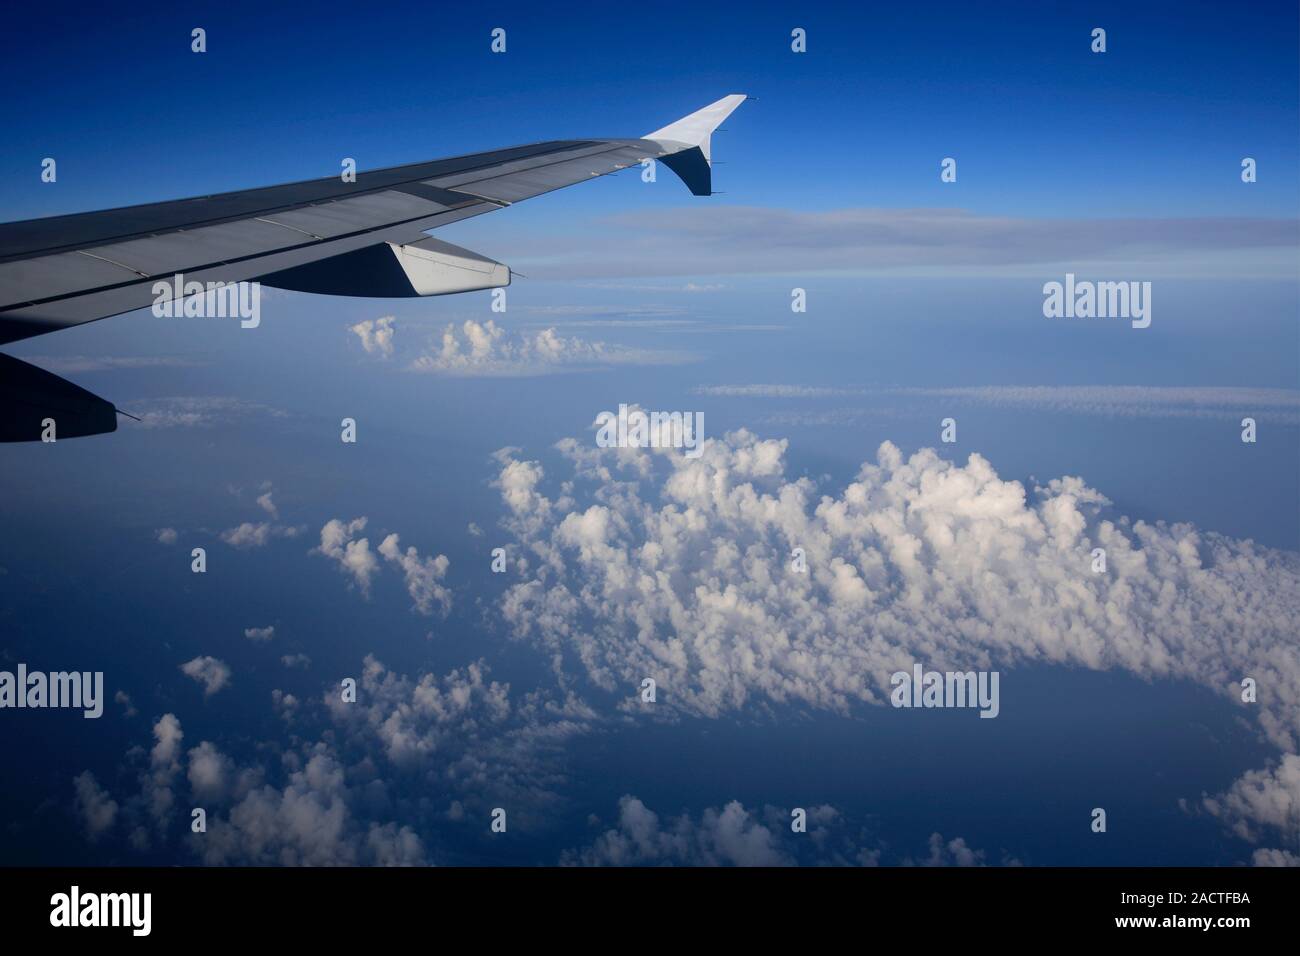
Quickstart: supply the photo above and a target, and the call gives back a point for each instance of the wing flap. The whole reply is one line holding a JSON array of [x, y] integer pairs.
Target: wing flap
[[395, 270]]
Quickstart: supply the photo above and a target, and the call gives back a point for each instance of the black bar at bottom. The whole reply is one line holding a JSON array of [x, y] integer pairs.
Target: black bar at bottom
[[339, 905]]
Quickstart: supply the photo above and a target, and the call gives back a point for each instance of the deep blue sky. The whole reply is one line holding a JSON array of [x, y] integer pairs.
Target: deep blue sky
[[1039, 124]]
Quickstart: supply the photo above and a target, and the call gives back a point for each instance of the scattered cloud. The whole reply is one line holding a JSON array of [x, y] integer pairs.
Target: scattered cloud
[[94, 807], [353, 555], [247, 535], [250, 534], [198, 412], [156, 797], [949, 853], [1274, 858], [124, 699], [257, 534], [735, 836], [729, 836], [266, 504], [331, 795], [286, 705], [1262, 802], [487, 349], [423, 576], [339, 541], [208, 671], [376, 335], [210, 772]]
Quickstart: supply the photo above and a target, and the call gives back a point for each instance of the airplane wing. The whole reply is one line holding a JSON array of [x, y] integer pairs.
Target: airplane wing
[[363, 238]]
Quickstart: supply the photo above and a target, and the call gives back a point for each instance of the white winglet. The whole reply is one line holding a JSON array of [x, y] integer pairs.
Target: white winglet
[[695, 130]]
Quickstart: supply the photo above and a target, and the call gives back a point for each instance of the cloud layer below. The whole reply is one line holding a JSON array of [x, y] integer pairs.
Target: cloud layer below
[[650, 564]]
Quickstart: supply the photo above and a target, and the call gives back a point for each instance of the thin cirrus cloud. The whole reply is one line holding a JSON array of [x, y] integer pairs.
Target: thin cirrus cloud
[[651, 564], [727, 240], [68, 364], [1281, 405]]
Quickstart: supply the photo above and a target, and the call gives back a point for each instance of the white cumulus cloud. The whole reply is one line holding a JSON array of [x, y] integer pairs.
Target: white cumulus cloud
[[95, 808], [338, 541], [376, 335], [422, 575], [208, 671], [650, 564], [487, 349]]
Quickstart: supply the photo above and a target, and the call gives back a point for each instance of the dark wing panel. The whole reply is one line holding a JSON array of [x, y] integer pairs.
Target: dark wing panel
[[34, 237]]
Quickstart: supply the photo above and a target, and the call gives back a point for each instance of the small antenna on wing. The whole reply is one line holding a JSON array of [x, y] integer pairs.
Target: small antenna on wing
[[128, 415]]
